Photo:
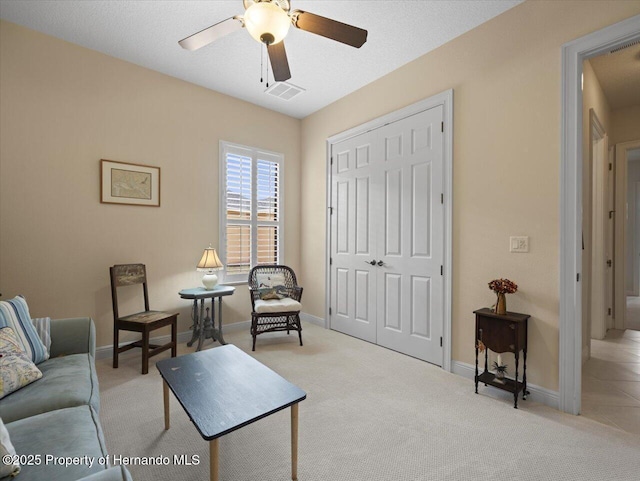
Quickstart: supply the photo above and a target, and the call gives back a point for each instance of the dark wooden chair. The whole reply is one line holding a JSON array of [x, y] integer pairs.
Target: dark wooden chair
[[142, 322], [270, 315]]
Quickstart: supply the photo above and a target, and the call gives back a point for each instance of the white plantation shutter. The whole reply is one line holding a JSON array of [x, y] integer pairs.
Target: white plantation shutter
[[250, 217], [267, 185], [238, 187]]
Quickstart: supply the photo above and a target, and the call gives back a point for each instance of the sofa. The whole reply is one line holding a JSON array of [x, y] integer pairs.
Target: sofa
[[53, 422]]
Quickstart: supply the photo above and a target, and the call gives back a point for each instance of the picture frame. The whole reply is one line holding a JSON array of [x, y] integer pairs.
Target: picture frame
[[129, 184]]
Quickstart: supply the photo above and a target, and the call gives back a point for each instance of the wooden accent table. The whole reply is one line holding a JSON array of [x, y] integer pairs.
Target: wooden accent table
[[204, 327], [502, 333], [224, 389]]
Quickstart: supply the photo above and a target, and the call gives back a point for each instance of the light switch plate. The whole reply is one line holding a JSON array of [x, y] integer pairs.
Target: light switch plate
[[519, 244]]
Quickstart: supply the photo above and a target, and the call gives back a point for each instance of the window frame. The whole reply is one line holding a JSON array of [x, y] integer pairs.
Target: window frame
[[254, 154]]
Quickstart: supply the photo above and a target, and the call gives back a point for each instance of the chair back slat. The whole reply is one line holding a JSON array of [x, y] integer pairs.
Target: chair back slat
[[128, 274]]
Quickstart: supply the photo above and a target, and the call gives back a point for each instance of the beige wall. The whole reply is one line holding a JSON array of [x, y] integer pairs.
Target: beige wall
[[625, 124], [506, 80], [592, 98], [63, 109]]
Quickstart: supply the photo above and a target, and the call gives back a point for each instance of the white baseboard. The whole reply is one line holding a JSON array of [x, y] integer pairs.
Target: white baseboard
[[537, 393], [104, 352], [318, 321]]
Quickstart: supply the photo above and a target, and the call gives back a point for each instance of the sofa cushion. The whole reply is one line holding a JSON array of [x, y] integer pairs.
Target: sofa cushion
[[71, 432], [280, 305], [115, 473], [16, 369], [66, 382], [10, 467], [14, 313]]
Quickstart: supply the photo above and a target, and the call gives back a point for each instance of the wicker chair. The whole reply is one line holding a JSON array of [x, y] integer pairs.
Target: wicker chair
[[270, 315]]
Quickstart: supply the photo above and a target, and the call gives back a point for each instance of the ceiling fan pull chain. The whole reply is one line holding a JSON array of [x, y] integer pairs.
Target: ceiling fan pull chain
[[261, 62], [268, 74]]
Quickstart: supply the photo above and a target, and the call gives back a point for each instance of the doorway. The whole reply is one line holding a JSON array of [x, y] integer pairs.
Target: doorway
[[631, 155], [571, 204]]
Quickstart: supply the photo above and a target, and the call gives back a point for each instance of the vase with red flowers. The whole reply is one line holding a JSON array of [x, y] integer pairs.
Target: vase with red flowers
[[502, 287]]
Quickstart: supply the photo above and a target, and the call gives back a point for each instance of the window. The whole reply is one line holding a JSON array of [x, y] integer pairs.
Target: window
[[250, 212]]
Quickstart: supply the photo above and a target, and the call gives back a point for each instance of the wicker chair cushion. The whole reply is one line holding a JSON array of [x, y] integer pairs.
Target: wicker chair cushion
[[280, 305]]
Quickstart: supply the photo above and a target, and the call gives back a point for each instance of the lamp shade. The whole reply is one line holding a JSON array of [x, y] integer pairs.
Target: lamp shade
[[266, 22], [210, 260]]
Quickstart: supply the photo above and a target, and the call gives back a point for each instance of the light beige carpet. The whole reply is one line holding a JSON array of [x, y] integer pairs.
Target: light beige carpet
[[370, 414]]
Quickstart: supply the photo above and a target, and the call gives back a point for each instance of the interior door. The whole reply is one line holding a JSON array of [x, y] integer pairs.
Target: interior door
[[353, 239], [410, 237], [387, 242]]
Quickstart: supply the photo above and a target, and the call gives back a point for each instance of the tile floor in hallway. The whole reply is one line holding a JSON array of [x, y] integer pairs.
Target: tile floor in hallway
[[611, 380]]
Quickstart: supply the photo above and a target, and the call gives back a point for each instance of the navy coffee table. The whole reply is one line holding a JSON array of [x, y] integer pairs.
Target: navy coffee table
[[224, 389]]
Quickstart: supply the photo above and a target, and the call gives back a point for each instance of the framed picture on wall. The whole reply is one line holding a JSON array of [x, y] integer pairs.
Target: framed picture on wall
[[129, 184]]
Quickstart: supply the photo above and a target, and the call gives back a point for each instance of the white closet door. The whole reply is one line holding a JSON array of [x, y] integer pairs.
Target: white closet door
[[386, 187], [353, 242], [410, 238]]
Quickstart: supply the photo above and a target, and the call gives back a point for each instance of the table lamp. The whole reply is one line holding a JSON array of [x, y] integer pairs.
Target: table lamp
[[210, 262]]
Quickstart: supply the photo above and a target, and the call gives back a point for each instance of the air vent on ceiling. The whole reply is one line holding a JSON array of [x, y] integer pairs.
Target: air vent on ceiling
[[284, 90], [622, 47]]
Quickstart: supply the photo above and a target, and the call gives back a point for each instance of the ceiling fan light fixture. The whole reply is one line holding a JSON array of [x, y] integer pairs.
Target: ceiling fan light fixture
[[266, 22]]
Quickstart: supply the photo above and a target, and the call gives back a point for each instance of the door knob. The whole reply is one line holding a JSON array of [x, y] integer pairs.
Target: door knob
[[373, 262], [380, 263]]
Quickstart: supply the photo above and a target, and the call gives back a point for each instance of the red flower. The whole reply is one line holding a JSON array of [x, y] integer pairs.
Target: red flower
[[504, 286]]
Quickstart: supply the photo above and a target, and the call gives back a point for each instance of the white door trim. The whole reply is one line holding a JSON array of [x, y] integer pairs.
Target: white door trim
[[573, 53], [446, 100], [597, 163]]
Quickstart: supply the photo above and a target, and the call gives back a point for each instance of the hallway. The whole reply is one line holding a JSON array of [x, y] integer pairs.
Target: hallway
[[611, 377]]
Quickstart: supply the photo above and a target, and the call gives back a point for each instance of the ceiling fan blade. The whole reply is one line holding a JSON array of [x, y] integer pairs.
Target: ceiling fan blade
[[279, 62], [341, 32], [210, 34]]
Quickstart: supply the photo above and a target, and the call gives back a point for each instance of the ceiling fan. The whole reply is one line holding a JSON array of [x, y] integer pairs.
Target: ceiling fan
[[268, 22]]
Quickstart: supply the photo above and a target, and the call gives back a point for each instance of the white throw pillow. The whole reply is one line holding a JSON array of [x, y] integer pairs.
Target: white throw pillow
[[16, 369], [270, 280]]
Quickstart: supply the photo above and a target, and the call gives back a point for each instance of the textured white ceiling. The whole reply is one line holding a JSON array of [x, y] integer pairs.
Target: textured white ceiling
[[619, 76], [147, 33]]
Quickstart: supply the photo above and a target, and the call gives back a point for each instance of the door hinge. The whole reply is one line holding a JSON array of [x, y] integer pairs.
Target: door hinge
[[610, 166], [330, 210], [442, 270], [441, 126], [609, 262], [330, 260], [331, 161], [440, 341], [578, 277], [609, 311], [442, 198], [329, 311], [611, 212]]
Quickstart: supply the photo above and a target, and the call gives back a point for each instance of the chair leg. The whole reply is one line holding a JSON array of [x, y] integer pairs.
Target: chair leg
[[299, 328], [300, 331], [254, 331], [116, 336], [174, 337], [145, 350]]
